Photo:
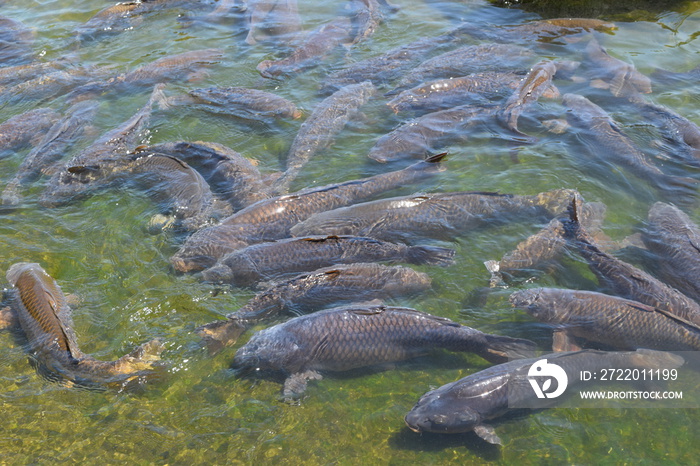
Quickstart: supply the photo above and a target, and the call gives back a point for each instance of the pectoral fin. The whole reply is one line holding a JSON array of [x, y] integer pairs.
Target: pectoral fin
[[487, 433], [564, 342], [295, 385]]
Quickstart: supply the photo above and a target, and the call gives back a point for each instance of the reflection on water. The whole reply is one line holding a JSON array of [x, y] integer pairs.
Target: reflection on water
[[100, 250]]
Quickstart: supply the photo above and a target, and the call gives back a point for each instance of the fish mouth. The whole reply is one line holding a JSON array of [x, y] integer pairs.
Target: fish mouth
[[193, 263]]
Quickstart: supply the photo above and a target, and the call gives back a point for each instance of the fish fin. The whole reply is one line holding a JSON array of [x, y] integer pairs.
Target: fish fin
[[562, 341], [217, 335], [431, 255], [140, 359], [295, 385], [436, 158], [494, 268], [500, 349], [487, 433]]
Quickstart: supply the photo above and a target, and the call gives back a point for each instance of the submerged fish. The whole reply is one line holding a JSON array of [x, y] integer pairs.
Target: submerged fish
[[467, 404], [609, 320], [621, 78], [26, 128], [265, 261], [354, 336], [313, 291], [244, 103], [271, 219], [675, 240], [545, 30], [277, 19], [443, 216], [45, 318]]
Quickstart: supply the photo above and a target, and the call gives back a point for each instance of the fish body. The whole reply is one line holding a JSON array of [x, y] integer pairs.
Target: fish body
[[277, 19], [45, 318], [20, 130], [354, 336], [531, 88], [271, 219], [266, 261], [675, 240], [318, 131], [467, 404], [621, 78], [442, 216], [315, 290], [546, 30], [245, 103]]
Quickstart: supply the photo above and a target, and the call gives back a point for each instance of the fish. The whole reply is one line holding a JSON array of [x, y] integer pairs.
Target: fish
[[465, 60], [545, 30], [317, 44], [620, 78], [674, 239], [45, 318], [439, 216], [421, 136], [603, 136], [41, 159], [16, 42], [271, 19], [625, 280], [354, 336], [366, 17], [26, 128], [318, 131], [244, 103], [304, 293], [12, 75], [468, 403], [269, 260], [605, 319], [230, 175], [181, 190], [441, 94], [101, 163], [271, 219]]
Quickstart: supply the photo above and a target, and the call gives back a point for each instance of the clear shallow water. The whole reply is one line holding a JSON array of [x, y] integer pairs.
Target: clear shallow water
[[99, 250]]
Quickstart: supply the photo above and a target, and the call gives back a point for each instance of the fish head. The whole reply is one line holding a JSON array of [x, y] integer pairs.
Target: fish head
[[530, 300], [437, 413], [272, 349]]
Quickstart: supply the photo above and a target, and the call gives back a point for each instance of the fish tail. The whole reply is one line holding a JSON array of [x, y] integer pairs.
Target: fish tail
[[494, 268], [499, 349], [431, 255]]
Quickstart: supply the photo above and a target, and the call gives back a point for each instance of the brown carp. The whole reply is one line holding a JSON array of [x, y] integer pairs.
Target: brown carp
[[675, 241], [244, 103], [354, 336], [609, 320], [11, 75], [467, 404], [318, 131], [271, 219], [26, 128], [441, 216], [45, 318], [266, 261], [315, 290]]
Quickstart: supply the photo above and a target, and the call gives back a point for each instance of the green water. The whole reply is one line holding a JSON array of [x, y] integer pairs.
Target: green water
[[99, 251]]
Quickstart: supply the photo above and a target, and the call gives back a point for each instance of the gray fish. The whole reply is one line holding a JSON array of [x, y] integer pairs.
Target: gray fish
[[354, 336], [675, 240], [266, 261], [231, 175], [623, 279], [317, 44], [442, 216], [621, 78], [244, 103], [609, 320], [16, 42], [466, 405], [313, 291], [545, 30], [101, 163], [271, 219], [277, 19], [57, 140], [366, 17], [318, 131], [179, 188], [419, 137], [45, 318], [26, 128], [12, 75]]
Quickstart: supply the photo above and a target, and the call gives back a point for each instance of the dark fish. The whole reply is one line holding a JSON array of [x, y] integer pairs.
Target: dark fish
[[623, 279], [465, 405], [443, 216], [440, 94], [366, 17], [545, 30], [101, 163], [180, 189], [607, 142], [26, 128], [244, 103], [317, 44], [675, 240], [318, 131], [231, 175], [384, 68], [266, 261], [271, 219], [12, 75], [16, 42], [468, 59], [621, 78], [275, 19], [45, 318], [419, 137], [346, 338], [545, 246], [609, 320], [57, 140], [313, 291]]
